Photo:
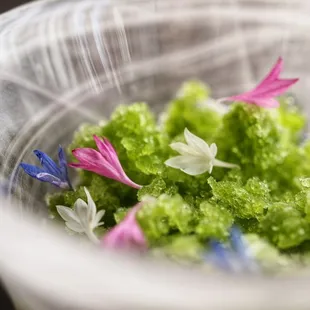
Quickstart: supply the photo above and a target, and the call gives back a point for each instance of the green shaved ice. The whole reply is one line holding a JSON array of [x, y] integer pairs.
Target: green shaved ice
[[84, 136], [245, 201], [256, 139], [140, 145], [180, 247], [190, 110], [120, 214], [214, 221], [268, 197], [285, 226], [156, 188], [252, 138], [291, 117], [53, 200], [305, 182], [167, 214], [266, 254]]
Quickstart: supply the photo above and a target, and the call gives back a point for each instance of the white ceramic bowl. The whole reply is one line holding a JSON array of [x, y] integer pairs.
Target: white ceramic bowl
[[66, 62]]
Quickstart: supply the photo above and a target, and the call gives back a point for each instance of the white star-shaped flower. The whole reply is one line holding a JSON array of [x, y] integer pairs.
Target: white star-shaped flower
[[196, 157], [83, 217]]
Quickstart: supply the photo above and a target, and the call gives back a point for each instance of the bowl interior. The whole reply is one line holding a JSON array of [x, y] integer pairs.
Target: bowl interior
[[70, 68]]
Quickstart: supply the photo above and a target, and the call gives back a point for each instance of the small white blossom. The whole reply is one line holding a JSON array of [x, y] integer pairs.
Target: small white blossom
[[196, 157], [83, 217]]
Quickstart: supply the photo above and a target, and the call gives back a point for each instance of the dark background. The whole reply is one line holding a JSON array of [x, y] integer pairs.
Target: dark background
[[11, 4], [5, 301]]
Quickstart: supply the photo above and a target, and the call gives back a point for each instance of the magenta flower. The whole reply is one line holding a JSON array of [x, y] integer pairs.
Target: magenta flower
[[271, 86], [105, 162], [127, 234]]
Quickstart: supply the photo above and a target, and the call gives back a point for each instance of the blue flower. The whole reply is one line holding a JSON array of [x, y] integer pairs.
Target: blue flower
[[235, 257], [50, 172], [220, 255]]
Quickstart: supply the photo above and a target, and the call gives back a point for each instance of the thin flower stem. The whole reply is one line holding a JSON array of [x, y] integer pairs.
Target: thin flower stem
[[71, 188], [220, 163], [92, 237]]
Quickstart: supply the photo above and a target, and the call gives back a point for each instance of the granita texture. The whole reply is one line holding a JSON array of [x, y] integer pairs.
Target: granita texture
[[265, 193], [223, 186]]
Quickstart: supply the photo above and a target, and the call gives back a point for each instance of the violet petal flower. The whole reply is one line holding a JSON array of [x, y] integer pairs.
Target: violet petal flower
[[105, 162], [50, 172], [220, 255], [271, 86], [127, 234], [233, 258], [240, 247]]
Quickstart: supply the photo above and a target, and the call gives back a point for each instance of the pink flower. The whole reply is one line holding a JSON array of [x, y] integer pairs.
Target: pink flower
[[105, 162], [127, 234], [271, 86]]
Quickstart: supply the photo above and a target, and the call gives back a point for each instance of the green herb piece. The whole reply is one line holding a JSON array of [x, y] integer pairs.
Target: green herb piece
[[166, 214], [84, 136], [252, 138], [285, 226], [156, 188], [291, 117], [268, 256], [245, 201], [214, 221], [140, 146], [120, 214], [180, 247], [190, 110]]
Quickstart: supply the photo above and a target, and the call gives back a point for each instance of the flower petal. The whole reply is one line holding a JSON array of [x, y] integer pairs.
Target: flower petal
[[197, 143], [63, 164], [189, 164], [31, 170], [237, 241], [80, 166], [242, 250], [46, 177], [62, 157], [271, 86], [138, 236], [211, 168], [221, 256], [98, 218], [184, 149], [92, 160], [267, 103], [92, 209], [275, 88], [127, 234], [105, 148], [273, 74], [213, 149], [81, 210], [67, 214], [125, 180], [88, 156], [76, 227], [47, 163], [108, 152]]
